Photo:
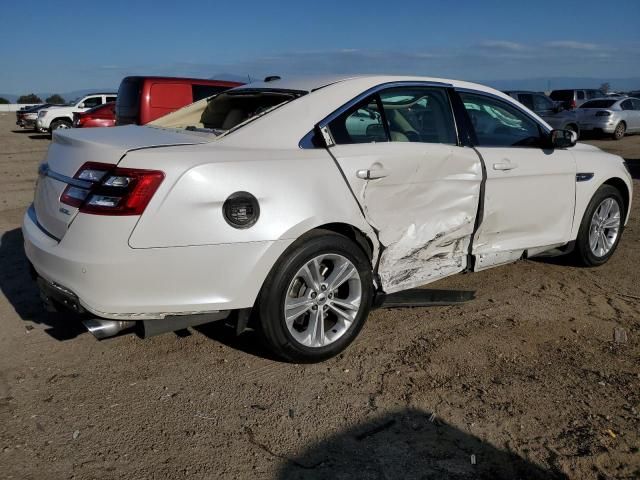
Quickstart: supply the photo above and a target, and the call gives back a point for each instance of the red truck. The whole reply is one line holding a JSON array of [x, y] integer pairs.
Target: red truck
[[143, 99]]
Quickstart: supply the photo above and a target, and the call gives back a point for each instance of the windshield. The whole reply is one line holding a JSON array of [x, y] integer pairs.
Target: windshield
[[230, 109], [598, 104], [73, 102]]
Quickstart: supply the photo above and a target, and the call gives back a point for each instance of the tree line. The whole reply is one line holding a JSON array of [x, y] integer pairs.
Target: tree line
[[33, 98]]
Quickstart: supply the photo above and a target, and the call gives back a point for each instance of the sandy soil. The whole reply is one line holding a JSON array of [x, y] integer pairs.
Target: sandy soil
[[524, 382]]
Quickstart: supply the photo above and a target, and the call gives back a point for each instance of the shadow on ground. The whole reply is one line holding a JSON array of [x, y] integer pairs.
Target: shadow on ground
[[19, 288], [43, 136], [248, 342], [408, 444]]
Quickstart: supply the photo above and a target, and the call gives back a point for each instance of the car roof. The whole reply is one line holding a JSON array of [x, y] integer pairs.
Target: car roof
[[314, 82]]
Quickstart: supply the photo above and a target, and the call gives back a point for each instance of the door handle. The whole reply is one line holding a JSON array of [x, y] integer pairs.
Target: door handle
[[505, 166], [372, 173]]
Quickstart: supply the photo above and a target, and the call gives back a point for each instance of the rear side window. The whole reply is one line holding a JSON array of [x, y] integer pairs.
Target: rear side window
[[580, 95], [418, 114], [92, 102], [204, 91], [595, 94], [598, 104], [498, 124]]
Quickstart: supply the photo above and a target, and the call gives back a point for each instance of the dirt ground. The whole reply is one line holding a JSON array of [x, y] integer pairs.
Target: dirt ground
[[524, 382]]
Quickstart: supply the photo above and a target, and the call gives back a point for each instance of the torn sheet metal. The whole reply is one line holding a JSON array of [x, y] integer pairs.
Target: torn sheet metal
[[423, 209]]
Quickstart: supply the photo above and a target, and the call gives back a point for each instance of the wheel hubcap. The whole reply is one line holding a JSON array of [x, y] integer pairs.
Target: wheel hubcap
[[322, 300], [604, 228]]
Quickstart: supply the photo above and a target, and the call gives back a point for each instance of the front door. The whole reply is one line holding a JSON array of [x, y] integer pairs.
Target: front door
[[530, 190], [417, 188]]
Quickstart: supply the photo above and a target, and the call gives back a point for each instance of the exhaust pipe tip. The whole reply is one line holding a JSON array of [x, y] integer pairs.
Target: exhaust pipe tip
[[101, 329]]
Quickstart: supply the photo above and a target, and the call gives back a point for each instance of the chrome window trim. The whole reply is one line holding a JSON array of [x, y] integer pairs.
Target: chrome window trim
[[45, 171], [305, 142], [510, 101]]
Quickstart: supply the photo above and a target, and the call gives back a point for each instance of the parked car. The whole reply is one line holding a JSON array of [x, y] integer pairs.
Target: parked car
[[574, 98], [552, 113], [100, 116], [143, 99], [60, 117], [612, 116], [264, 205], [26, 118]]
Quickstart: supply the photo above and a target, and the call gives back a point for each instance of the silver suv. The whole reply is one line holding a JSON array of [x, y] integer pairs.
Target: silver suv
[[552, 113]]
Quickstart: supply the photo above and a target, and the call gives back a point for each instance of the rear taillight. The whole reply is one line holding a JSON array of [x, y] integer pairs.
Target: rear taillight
[[573, 104], [603, 113], [109, 190]]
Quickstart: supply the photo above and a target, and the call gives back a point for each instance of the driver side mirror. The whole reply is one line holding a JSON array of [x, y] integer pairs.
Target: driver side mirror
[[563, 138], [81, 105]]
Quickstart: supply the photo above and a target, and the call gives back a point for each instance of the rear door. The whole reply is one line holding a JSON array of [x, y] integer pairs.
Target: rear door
[[418, 188], [529, 192]]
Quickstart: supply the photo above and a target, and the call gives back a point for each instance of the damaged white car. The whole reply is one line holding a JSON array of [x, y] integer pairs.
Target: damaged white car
[[293, 204]]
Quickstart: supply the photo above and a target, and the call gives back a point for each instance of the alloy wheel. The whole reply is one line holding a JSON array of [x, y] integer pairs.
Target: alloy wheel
[[605, 227], [322, 300]]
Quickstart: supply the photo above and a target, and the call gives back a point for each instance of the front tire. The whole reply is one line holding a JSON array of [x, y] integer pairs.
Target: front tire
[[601, 227], [619, 132], [316, 299]]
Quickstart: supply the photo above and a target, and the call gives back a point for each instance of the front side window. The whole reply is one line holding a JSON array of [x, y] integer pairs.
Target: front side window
[[498, 124], [418, 114], [636, 104], [111, 99], [627, 105]]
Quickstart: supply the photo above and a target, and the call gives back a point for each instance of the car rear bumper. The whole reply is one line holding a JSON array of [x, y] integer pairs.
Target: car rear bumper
[[103, 275], [607, 126]]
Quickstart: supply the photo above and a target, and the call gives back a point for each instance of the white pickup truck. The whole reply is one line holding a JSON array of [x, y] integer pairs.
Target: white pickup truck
[[52, 118]]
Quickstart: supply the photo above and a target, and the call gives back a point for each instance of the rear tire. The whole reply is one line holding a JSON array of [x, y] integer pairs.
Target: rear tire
[[326, 306], [619, 132], [60, 124], [601, 227]]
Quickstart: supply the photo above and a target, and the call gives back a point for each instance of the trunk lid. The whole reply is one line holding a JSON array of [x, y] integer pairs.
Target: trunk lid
[[71, 149]]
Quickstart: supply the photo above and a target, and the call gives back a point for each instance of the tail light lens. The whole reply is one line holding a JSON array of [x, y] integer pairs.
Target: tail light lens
[[573, 104], [111, 190], [603, 113]]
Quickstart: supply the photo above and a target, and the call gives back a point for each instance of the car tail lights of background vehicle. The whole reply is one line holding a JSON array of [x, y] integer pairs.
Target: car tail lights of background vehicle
[[104, 189]]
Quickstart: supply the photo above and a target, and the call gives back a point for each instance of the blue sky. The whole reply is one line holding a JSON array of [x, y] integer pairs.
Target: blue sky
[[71, 45]]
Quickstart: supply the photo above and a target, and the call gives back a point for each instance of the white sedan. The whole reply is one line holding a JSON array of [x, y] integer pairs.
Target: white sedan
[[289, 205]]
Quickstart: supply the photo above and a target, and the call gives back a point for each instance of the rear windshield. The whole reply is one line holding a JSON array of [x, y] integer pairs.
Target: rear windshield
[[562, 95], [598, 104], [230, 109], [128, 101]]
